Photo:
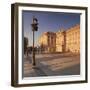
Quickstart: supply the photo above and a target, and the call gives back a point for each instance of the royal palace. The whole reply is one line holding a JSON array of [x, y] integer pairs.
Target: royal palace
[[61, 41]]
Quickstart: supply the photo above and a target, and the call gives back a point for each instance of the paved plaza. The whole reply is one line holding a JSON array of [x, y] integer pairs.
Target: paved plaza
[[52, 65]]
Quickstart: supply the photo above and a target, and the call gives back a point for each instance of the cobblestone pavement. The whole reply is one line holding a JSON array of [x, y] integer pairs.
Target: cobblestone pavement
[[52, 65]]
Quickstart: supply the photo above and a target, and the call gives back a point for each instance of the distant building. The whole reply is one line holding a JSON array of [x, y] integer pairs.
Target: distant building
[[47, 42], [61, 41]]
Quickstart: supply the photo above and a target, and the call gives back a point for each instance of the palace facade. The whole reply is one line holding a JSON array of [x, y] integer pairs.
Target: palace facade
[[61, 41], [69, 40], [47, 42]]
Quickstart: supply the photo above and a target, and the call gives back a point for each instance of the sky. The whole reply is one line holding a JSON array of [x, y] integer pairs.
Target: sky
[[48, 21]]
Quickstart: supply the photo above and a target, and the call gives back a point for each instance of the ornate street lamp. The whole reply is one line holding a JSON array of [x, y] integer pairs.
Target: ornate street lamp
[[34, 26]]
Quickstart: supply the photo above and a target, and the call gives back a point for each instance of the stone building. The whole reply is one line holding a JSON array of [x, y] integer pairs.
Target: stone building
[[69, 40], [61, 41], [47, 42], [73, 39]]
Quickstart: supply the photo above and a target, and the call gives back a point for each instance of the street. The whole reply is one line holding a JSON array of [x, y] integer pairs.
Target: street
[[52, 65]]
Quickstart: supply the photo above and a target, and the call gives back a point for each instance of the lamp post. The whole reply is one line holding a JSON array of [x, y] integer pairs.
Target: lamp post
[[34, 26]]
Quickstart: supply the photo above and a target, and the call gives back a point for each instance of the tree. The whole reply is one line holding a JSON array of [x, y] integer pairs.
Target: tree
[[25, 44]]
